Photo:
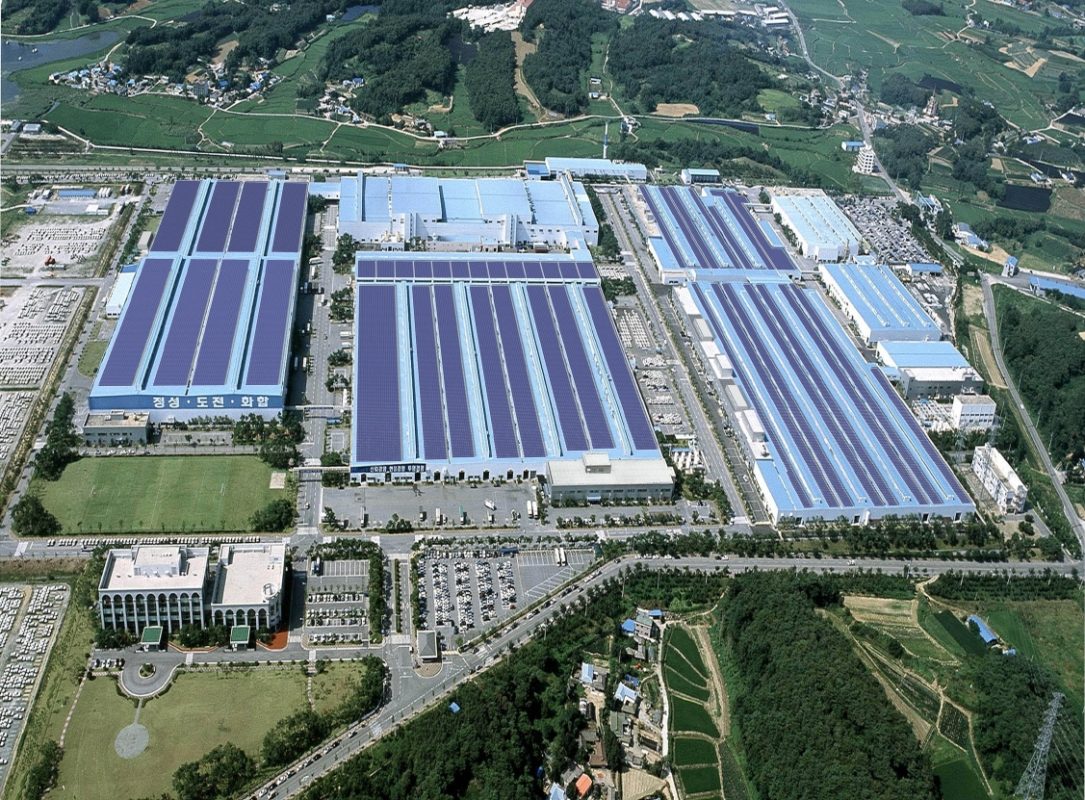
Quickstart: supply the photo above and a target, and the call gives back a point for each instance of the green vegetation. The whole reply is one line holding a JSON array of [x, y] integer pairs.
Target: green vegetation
[[155, 494], [489, 82], [61, 441], [278, 515], [43, 774], [91, 357], [689, 716], [794, 665], [691, 751], [554, 71], [947, 625], [680, 678], [30, 518], [218, 775], [697, 780]]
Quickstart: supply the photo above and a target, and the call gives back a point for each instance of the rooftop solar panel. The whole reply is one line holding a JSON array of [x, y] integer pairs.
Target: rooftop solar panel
[[216, 222], [478, 270], [177, 353], [290, 219], [497, 398], [130, 338], [367, 269], [459, 270], [583, 371], [386, 270], [175, 219], [431, 403], [423, 270], [213, 359], [562, 391], [266, 354], [460, 432], [533, 270], [587, 270], [527, 416], [516, 270], [378, 432], [442, 269], [636, 418], [250, 210]]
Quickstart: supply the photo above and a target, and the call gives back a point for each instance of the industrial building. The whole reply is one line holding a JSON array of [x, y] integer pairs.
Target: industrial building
[[698, 234], [1041, 285], [159, 585], [591, 168], [118, 295], [824, 432], [878, 304], [822, 230], [389, 212], [595, 477], [999, 480], [973, 412], [691, 175], [488, 365], [928, 369], [172, 586], [206, 327], [115, 428], [249, 585]]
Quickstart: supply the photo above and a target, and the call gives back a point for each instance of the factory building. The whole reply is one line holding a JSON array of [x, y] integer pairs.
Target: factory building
[[595, 478], [172, 586], [205, 329], [160, 585], [248, 586], [118, 295], [878, 304], [999, 480], [708, 234], [928, 369], [116, 428], [598, 168], [692, 175], [972, 412], [823, 231], [461, 214], [824, 433], [489, 365]]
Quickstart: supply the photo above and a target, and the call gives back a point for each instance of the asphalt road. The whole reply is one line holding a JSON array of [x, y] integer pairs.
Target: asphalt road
[[1023, 415]]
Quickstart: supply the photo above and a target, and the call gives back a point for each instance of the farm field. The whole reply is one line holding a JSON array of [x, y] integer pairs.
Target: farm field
[[91, 768], [689, 751], [688, 716], [164, 493]]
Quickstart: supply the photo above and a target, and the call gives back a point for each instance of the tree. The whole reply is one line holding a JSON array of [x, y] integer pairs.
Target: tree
[[61, 441], [489, 80], [218, 775], [612, 749], [278, 515], [30, 518], [293, 736]]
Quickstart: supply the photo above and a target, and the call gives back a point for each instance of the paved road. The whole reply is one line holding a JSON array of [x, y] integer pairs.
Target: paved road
[[1022, 413], [411, 694]]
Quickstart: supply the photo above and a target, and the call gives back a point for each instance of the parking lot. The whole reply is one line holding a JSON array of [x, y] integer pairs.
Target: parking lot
[[29, 619], [465, 591], [890, 236], [337, 602]]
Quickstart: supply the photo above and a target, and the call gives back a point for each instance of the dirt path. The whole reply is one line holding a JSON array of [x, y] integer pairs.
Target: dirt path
[[523, 50]]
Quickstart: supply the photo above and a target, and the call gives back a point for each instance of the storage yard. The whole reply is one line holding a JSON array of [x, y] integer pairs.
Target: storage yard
[[488, 365], [825, 433], [705, 233], [52, 244], [206, 328], [29, 619]]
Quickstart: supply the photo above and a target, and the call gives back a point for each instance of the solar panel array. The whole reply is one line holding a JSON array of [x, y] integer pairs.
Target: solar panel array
[[211, 306], [525, 368], [712, 232], [842, 441]]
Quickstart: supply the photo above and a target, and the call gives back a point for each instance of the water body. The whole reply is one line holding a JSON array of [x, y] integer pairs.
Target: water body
[[15, 56], [354, 12], [1026, 198]]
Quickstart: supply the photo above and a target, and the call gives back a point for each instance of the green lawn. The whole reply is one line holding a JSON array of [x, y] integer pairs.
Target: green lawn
[[690, 716], [687, 750], [197, 713], [331, 687], [91, 357], [952, 634], [162, 493], [959, 781]]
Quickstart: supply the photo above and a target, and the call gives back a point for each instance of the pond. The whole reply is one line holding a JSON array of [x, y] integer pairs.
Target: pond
[[354, 12], [1026, 198], [15, 56]]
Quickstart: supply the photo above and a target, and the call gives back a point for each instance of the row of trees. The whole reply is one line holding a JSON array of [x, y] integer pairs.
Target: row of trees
[[555, 70], [277, 439], [490, 84], [661, 61]]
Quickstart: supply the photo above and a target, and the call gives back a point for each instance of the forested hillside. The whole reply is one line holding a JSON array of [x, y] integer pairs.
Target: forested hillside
[[563, 30], [815, 723], [490, 82], [669, 61]]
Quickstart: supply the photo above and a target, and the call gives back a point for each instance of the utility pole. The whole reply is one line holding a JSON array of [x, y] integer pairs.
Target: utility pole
[[1031, 785]]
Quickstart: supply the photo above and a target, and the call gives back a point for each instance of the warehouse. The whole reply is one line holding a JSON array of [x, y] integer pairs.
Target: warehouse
[[488, 365], [823, 232], [206, 327], [878, 304], [449, 214], [928, 369], [597, 168], [825, 434], [699, 235], [692, 175]]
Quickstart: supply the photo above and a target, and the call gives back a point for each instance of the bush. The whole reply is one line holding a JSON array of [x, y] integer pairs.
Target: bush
[[278, 515], [30, 518], [43, 774]]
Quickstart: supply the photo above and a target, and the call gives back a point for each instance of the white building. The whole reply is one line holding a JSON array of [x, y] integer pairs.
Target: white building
[[692, 175], [972, 412], [153, 585], [878, 304], [116, 428], [594, 477], [866, 163], [118, 295], [999, 480], [823, 232], [249, 585]]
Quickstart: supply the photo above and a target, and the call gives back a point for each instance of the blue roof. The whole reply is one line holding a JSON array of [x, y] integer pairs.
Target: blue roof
[[602, 167], [587, 673], [629, 626], [918, 355], [839, 440], [77, 193], [454, 707], [1071, 288], [494, 360], [988, 635], [927, 268], [625, 694], [881, 302], [556, 792], [655, 613], [206, 327]]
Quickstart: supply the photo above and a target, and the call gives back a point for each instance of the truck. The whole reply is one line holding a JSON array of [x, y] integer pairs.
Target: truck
[[305, 364], [437, 518]]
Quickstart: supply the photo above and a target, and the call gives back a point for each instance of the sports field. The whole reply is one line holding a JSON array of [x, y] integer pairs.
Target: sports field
[[158, 494], [197, 713]]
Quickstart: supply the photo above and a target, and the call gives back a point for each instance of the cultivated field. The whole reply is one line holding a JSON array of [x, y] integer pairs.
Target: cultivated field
[[123, 494]]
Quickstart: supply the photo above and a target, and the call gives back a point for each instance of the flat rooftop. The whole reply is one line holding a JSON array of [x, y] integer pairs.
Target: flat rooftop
[[249, 574], [143, 568], [839, 440], [502, 359], [708, 231], [207, 322], [914, 355], [880, 301], [815, 218]]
